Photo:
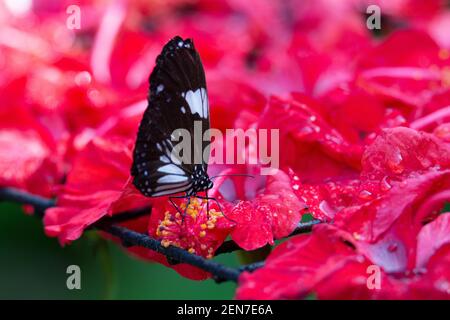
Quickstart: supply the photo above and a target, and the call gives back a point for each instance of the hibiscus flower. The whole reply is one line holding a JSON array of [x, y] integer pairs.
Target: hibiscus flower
[[383, 232]]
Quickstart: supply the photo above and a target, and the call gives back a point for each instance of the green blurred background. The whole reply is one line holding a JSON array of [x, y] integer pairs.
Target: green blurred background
[[33, 266]]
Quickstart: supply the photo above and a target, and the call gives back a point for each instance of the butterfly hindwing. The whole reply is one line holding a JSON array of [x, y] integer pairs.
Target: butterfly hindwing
[[177, 99]]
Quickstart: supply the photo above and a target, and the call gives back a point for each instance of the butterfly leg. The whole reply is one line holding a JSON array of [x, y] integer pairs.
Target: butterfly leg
[[185, 209], [183, 214], [207, 205], [218, 204], [174, 204]]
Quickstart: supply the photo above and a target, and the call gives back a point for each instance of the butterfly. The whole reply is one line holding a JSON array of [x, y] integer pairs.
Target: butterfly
[[177, 99]]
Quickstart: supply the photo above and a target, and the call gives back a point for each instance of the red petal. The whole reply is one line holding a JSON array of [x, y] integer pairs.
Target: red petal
[[308, 144], [29, 159], [96, 186], [400, 151], [371, 219], [295, 267], [273, 214], [431, 238]]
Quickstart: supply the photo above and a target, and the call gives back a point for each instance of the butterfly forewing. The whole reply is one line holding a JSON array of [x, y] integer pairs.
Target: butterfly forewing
[[177, 99]]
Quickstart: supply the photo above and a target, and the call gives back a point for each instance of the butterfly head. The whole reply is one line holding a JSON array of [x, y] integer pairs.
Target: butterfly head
[[200, 179]]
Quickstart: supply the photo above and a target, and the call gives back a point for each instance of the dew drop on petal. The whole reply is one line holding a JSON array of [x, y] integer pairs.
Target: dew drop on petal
[[384, 184], [395, 164], [443, 285], [306, 130], [365, 195], [83, 79]]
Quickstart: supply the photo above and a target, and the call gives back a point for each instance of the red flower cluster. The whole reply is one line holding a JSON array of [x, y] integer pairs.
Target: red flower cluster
[[364, 123]]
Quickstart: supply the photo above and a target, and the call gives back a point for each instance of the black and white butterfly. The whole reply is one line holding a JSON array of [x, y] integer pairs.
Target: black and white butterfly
[[177, 98]]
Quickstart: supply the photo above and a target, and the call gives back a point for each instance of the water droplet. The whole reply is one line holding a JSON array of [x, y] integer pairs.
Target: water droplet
[[443, 285], [384, 184], [306, 130], [365, 195], [357, 236], [395, 164], [83, 79], [295, 187], [327, 209]]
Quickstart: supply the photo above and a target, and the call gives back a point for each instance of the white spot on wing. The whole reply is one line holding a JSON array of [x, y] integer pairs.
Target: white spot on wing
[[159, 88], [197, 101], [164, 159], [171, 169], [205, 102], [171, 186], [171, 179], [171, 191]]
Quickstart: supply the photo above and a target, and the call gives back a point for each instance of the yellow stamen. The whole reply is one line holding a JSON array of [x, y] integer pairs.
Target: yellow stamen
[[165, 243]]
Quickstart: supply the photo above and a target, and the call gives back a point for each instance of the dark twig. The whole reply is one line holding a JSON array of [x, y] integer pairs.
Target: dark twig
[[131, 238], [39, 203], [304, 227], [178, 254], [251, 267]]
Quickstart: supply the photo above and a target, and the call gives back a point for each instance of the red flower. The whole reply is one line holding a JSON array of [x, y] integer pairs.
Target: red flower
[[324, 200], [72, 101], [98, 185], [333, 265], [305, 135], [402, 166], [272, 214], [295, 267], [30, 158], [401, 151], [199, 232], [404, 78], [385, 231], [443, 132]]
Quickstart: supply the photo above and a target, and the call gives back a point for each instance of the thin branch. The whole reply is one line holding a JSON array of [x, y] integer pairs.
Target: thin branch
[[251, 267], [39, 203], [131, 238], [175, 253], [304, 227]]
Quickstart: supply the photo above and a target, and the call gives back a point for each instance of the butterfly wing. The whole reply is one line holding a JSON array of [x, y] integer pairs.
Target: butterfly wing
[[177, 99]]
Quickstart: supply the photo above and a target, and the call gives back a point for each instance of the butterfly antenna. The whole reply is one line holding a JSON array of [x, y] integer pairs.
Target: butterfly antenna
[[218, 204], [234, 175]]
